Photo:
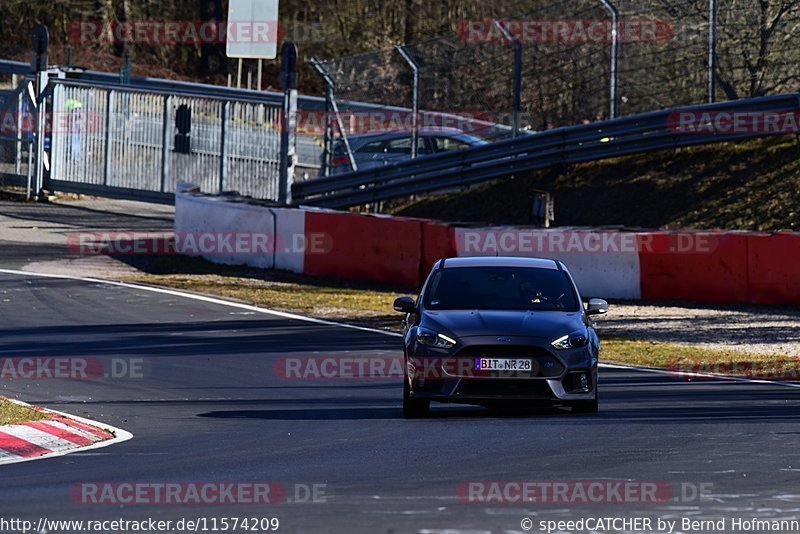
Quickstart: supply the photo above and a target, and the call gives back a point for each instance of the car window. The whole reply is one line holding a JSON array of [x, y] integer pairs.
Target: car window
[[501, 288], [403, 146], [446, 144], [399, 146], [372, 147]]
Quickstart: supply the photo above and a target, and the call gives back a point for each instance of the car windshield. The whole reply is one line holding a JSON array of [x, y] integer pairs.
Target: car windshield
[[500, 288]]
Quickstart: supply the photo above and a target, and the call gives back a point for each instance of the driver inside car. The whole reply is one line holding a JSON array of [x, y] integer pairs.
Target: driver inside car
[[531, 292]]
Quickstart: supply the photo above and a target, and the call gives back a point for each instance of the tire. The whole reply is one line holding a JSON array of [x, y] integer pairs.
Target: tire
[[590, 406], [413, 408]]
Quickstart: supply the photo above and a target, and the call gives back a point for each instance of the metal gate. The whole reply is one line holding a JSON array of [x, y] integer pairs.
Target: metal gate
[[112, 139]]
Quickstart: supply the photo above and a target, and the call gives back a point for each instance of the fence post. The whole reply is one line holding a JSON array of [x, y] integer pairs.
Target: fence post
[[166, 145], [15, 83], [41, 130], [613, 84], [712, 51], [288, 121], [414, 99], [107, 140], [41, 40], [223, 156], [327, 149], [517, 91]]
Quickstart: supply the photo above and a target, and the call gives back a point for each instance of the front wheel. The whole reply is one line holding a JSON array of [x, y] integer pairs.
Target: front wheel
[[413, 408]]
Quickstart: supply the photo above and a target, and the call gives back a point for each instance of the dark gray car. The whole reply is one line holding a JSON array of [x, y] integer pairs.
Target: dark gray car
[[500, 331], [377, 149]]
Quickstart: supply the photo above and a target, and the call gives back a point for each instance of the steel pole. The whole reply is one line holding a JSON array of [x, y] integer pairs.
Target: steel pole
[[517, 91], [414, 99], [41, 130], [327, 149], [712, 51], [334, 111], [614, 82]]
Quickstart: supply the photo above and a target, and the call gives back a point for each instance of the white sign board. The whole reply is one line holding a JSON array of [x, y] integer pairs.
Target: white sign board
[[252, 29]]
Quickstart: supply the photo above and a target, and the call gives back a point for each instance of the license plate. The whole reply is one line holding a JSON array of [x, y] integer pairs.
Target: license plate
[[502, 364]]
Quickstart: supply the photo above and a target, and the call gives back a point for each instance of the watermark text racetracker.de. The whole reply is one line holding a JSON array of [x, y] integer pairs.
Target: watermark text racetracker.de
[[376, 367], [564, 31], [206, 493], [581, 492], [26, 368], [193, 32], [515, 241], [196, 243], [734, 122], [772, 369]]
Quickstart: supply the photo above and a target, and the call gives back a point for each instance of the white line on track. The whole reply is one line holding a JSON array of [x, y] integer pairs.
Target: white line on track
[[285, 315], [203, 298]]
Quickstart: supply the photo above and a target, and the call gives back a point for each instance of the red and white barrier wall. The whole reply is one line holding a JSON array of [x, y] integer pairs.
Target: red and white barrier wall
[[719, 267]]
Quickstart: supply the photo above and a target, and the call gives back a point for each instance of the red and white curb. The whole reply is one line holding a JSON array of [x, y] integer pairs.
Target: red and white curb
[[58, 435]]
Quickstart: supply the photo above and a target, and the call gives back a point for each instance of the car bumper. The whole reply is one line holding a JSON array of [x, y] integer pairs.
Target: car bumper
[[560, 377]]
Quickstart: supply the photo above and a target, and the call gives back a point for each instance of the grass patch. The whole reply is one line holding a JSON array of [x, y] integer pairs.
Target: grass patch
[[14, 413], [368, 304], [331, 300], [693, 359]]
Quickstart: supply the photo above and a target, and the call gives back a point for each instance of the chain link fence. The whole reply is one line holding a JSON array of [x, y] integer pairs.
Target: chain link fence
[[579, 61]]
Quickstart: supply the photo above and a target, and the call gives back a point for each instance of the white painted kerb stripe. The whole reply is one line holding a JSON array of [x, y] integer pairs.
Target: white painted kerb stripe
[[37, 437]]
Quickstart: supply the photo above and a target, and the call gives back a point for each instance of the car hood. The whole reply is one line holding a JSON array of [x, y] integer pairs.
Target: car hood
[[466, 323]]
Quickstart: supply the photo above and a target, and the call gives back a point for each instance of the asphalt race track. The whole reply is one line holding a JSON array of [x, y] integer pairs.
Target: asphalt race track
[[208, 407]]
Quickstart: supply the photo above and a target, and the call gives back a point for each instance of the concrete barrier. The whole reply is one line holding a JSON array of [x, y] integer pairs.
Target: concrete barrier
[[364, 247], [718, 267], [224, 232]]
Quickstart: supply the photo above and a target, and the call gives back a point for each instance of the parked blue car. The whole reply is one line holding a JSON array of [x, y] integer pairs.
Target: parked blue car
[[385, 148]]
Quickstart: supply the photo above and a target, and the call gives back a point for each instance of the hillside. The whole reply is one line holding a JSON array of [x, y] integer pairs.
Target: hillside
[[747, 186]]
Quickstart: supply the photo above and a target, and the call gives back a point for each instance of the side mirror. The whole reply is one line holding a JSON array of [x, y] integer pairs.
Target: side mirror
[[597, 307], [405, 305]]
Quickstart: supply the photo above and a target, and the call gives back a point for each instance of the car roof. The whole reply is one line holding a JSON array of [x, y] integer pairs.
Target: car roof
[[500, 261], [392, 134]]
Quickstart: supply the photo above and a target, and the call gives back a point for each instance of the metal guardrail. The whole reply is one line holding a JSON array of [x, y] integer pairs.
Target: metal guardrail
[[619, 137]]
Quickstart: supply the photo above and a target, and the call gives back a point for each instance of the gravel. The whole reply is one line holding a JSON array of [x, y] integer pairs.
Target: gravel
[[752, 329]]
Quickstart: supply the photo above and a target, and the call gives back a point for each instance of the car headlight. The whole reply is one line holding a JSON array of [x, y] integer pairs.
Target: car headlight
[[435, 339], [572, 341]]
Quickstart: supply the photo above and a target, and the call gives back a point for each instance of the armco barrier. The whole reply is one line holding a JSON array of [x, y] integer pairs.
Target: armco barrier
[[366, 247], [773, 268], [710, 267]]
